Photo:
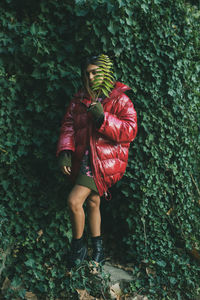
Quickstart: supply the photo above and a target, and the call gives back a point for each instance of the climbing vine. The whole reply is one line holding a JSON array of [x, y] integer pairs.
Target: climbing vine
[[153, 217]]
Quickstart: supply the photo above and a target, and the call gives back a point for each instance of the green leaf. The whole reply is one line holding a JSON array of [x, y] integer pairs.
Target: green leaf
[[16, 282], [161, 263], [30, 263], [33, 29]]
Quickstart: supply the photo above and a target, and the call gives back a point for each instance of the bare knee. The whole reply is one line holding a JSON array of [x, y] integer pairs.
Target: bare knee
[[74, 205], [93, 201], [77, 197]]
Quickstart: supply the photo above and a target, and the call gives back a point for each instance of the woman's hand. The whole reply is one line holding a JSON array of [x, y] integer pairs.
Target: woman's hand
[[64, 162], [96, 109], [66, 170]]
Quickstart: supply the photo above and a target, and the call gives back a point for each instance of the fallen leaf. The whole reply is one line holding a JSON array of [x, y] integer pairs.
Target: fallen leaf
[[83, 295], [115, 291], [169, 211], [30, 296], [150, 271], [6, 284], [40, 233], [94, 267], [195, 254]]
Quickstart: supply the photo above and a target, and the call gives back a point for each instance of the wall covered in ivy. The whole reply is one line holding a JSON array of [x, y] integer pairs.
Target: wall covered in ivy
[[153, 217]]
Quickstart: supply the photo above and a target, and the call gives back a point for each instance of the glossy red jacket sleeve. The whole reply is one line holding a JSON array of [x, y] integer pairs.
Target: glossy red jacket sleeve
[[120, 127], [66, 138]]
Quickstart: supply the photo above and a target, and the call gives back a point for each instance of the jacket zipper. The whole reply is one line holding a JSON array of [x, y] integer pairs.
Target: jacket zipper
[[97, 178]]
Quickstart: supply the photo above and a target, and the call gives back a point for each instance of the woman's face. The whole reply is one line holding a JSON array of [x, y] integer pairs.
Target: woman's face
[[92, 71]]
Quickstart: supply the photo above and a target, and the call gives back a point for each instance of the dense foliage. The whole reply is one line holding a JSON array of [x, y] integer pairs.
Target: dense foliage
[[153, 217]]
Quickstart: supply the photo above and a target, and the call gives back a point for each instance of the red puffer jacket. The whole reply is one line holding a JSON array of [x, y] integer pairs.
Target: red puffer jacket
[[109, 144]]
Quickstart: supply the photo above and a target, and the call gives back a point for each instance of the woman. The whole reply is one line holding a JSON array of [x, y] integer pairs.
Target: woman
[[93, 150]]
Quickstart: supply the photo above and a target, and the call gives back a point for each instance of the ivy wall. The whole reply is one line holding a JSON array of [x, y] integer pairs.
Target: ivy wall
[[153, 217]]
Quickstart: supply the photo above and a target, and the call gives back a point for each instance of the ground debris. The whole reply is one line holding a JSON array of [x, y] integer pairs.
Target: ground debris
[[30, 296], [83, 295]]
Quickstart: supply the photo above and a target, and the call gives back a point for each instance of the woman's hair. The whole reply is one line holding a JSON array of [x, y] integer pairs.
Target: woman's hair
[[93, 60]]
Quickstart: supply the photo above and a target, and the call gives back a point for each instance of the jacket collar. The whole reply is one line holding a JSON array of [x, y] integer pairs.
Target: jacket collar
[[119, 88]]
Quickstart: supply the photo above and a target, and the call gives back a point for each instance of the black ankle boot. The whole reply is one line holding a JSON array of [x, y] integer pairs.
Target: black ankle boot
[[78, 252], [98, 252]]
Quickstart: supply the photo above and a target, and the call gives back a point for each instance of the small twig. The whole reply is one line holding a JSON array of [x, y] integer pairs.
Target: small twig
[[138, 293], [195, 184], [145, 236], [80, 267], [3, 150]]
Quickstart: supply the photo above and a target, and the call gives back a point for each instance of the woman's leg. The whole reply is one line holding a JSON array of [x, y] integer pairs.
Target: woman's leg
[[94, 216], [76, 200], [94, 219]]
